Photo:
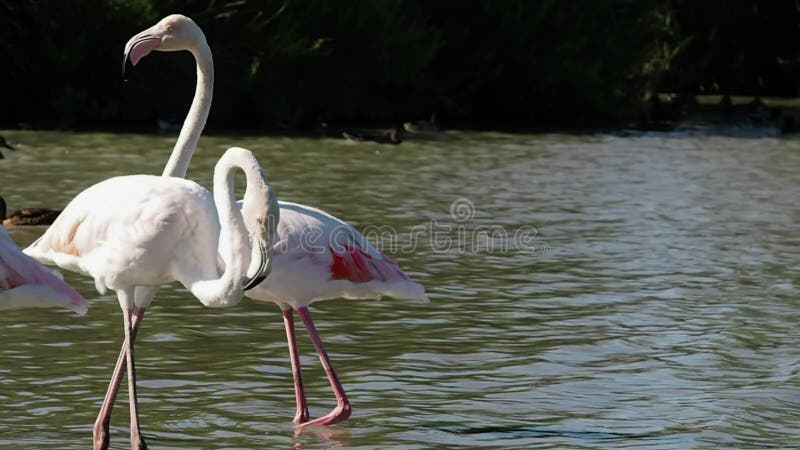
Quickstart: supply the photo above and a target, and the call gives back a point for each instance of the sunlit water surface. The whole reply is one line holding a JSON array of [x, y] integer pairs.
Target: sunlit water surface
[[655, 307]]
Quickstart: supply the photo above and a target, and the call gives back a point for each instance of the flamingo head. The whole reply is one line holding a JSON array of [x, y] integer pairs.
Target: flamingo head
[[261, 214], [171, 34]]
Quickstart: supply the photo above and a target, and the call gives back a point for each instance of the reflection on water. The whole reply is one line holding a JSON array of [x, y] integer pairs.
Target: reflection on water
[[656, 308]]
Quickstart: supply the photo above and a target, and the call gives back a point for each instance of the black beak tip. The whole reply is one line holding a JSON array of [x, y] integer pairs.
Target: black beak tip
[[125, 66], [263, 269], [253, 283]]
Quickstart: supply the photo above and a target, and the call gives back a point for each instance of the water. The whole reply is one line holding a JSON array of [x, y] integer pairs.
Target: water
[[656, 305]]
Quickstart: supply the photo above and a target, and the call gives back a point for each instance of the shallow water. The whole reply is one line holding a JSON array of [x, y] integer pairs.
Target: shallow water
[[644, 295]]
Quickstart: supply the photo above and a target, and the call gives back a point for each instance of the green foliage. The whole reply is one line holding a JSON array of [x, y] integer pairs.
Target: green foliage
[[55, 58], [733, 47], [520, 61], [548, 60]]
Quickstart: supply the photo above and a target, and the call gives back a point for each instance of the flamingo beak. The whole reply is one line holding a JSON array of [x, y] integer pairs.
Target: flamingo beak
[[264, 267], [137, 48]]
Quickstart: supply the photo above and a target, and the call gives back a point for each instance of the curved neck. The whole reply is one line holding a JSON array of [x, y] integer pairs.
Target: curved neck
[[233, 245], [195, 121]]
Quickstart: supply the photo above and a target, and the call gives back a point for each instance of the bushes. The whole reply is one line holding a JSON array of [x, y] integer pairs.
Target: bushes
[[524, 61], [736, 47]]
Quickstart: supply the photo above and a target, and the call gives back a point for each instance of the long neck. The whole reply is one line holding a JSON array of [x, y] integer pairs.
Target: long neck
[[261, 223], [233, 244], [195, 121]]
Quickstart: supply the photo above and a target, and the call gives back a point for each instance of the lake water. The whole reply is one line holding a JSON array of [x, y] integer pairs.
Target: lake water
[[639, 290]]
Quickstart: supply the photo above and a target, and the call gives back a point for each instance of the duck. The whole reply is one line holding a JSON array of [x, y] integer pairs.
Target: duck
[[422, 126], [391, 136], [27, 216], [5, 144]]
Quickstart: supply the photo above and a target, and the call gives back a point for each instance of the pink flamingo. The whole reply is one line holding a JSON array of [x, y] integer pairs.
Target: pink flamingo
[[315, 255], [24, 283], [319, 257]]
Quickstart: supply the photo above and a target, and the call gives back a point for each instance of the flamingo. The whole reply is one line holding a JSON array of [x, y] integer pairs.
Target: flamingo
[[27, 216], [134, 233], [318, 256], [24, 283]]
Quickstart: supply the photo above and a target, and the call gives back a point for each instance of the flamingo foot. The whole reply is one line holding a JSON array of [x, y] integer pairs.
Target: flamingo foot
[[101, 437], [342, 412], [137, 442], [301, 417]]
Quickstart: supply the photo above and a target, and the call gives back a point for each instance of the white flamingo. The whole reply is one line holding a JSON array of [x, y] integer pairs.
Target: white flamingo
[[25, 283], [315, 255], [134, 233]]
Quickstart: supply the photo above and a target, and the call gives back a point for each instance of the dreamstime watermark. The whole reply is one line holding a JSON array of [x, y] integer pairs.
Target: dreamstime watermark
[[460, 233]]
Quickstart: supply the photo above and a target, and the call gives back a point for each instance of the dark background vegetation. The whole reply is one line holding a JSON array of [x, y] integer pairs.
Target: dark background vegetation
[[301, 62]]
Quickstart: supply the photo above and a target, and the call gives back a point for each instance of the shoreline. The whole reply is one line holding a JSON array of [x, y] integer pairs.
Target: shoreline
[[664, 112]]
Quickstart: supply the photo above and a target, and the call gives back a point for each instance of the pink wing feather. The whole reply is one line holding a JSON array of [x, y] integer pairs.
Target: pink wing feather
[[18, 269], [319, 257], [358, 266]]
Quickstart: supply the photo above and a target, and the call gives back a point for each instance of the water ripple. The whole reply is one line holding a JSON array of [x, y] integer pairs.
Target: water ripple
[[656, 310]]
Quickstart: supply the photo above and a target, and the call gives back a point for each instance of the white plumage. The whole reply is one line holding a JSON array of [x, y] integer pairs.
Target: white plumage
[[132, 234], [138, 230]]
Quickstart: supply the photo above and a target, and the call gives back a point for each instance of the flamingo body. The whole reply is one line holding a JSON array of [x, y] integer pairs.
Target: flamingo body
[[317, 256], [26, 283], [141, 235]]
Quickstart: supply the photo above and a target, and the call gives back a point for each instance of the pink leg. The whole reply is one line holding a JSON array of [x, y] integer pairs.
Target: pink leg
[[137, 442], [342, 410], [302, 415], [101, 433]]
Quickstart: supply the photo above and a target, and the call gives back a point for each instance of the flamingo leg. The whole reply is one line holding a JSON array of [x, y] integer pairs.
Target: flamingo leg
[[342, 410], [137, 441], [101, 425], [302, 415]]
